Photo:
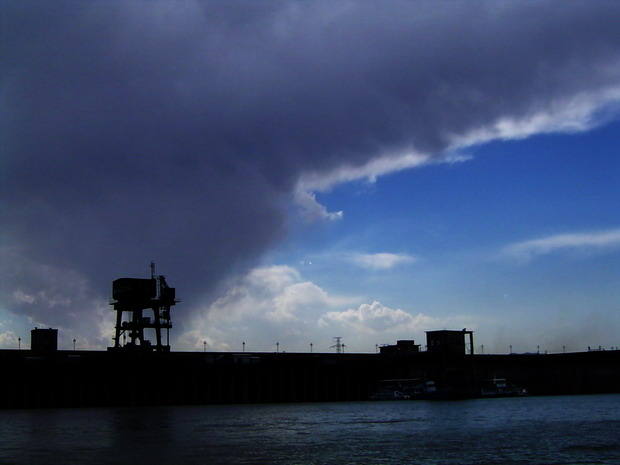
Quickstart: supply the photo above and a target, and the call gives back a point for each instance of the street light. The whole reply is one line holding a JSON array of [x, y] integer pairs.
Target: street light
[[19, 343], [74, 344], [311, 347], [204, 345], [277, 347], [244, 346]]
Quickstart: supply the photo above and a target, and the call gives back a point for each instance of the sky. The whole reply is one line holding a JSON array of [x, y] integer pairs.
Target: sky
[[301, 170]]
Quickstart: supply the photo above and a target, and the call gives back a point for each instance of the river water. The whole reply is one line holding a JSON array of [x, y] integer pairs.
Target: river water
[[531, 430]]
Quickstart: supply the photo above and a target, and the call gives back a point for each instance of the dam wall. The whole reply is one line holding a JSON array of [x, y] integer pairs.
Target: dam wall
[[551, 374], [121, 378]]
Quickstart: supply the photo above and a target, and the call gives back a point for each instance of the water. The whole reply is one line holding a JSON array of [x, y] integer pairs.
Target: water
[[534, 430]]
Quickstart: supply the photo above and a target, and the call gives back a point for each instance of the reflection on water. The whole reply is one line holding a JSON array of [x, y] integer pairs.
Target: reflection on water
[[535, 430]]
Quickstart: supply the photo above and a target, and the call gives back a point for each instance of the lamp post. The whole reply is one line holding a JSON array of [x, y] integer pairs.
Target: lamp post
[[74, 344], [482, 348], [511, 349], [277, 347], [204, 345], [311, 347], [19, 343], [244, 346]]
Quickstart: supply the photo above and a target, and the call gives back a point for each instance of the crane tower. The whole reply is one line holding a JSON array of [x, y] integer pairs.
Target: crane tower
[[131, 297]]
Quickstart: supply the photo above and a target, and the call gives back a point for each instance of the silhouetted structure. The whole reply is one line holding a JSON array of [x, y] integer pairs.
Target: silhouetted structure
[[404, 346], [44, 341], [131, 296], [450, 342], [68, 378], [339, 345], [47, 377], [450, 362]]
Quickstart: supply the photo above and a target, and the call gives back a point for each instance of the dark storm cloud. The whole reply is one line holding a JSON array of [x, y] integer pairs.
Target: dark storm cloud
[[177, 131]]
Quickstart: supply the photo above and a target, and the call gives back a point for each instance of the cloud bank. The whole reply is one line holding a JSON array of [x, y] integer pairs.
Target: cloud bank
[[379, 321], [276, 305], [183, 132], [264, 302]]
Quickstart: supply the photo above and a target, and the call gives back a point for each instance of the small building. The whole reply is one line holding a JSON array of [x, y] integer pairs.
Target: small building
[[450, 342], [404, 346], [44, 340]]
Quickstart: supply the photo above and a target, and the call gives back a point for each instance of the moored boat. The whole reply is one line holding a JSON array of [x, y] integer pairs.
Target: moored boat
[[405, 389], [499, 387]]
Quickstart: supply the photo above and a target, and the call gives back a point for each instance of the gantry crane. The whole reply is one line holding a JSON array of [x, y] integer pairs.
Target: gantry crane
[[130, 298]]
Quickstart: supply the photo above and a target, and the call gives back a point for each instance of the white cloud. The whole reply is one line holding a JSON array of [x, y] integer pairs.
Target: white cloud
[[266, 305], [196, 340], [293, 298], [389, 163], [275, 304], [591, 241], [370, 171], [8, 340], [312, 210], [381, 261], [579, 113], [376, 318], [275, 293], [312, 182]]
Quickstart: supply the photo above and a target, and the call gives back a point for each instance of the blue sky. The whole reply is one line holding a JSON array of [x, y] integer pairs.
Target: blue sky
[[306, 170], [453, 225], [519, 241]]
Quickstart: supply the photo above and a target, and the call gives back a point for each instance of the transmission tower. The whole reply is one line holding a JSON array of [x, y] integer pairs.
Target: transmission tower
[[339, 346]]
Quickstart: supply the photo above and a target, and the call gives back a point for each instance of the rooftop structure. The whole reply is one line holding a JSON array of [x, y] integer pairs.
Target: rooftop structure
[[407, 346], [450, 342], [44, 341]]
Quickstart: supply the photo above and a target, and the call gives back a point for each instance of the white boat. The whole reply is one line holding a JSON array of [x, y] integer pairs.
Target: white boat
[[499, 387], [405, 389]]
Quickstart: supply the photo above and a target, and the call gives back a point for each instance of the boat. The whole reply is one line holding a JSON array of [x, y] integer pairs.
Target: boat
[[405, 389], [499, 387]]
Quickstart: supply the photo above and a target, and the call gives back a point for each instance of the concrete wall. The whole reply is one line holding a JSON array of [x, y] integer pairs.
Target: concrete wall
[[85, 379]]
